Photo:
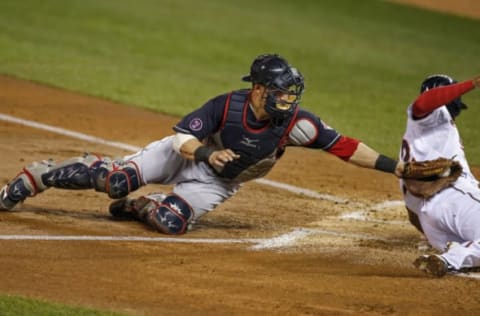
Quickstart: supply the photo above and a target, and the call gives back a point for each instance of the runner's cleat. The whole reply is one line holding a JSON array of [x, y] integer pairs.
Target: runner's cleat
[[434, 265]]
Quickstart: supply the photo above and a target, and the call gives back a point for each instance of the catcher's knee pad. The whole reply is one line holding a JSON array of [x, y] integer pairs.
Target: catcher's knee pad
[[116, 178], [171, 216]]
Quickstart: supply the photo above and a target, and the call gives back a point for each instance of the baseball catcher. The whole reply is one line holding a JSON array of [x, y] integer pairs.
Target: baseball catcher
[[234, 137]]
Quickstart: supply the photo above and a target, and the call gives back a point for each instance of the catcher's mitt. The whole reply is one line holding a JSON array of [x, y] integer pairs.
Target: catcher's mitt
[[425, 178]]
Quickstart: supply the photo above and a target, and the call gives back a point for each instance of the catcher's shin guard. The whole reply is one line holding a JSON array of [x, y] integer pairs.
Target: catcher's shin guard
[[168, 214], [116, 178], [172, 216]]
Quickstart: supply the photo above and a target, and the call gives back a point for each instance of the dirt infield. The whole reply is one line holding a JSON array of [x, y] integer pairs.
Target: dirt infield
[[353, 258], [345, 266]]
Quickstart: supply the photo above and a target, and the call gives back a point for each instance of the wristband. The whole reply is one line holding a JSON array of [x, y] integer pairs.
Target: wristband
[[385, 164], [202, 153]]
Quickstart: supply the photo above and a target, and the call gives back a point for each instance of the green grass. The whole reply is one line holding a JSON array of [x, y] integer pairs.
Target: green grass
[[363, 60], [18, 306]]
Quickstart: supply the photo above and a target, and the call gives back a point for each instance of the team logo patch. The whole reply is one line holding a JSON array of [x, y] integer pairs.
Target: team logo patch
[[196, 124]]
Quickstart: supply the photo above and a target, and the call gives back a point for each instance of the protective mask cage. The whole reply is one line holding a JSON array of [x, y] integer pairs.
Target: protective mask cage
[[284, 94]]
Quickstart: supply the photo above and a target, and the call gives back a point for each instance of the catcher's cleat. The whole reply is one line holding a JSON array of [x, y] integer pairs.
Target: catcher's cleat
[[434, 265], [5, 202], [16, 191], [122, 209]]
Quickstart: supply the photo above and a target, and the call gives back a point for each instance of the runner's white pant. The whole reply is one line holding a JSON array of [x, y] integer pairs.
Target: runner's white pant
[[453, 215]]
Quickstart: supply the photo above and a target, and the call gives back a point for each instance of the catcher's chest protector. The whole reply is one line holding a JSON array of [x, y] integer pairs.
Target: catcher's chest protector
[[253, 145]]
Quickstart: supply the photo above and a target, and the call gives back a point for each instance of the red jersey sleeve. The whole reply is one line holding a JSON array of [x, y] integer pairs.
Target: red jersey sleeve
[[344, 147], [435, 98]]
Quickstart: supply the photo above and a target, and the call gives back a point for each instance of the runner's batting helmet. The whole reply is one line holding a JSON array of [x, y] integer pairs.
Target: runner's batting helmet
[[434, 81], [274, 72]]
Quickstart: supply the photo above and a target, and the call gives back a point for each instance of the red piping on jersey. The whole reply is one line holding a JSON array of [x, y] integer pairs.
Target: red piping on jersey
[[467, 193], [225, 110], [344, 147], [244, 115], [245, 124], [436, 97]]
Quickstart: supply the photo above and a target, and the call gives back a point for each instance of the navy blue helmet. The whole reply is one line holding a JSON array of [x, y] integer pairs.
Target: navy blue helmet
[[274, 72]]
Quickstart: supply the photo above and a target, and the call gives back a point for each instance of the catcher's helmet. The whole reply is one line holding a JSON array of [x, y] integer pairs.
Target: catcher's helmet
[[274, 72], [434, 81]]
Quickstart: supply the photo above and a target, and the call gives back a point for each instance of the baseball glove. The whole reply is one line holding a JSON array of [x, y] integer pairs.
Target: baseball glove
[[425, 178]]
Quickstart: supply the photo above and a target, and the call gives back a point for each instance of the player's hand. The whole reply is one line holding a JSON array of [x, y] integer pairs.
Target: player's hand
[[220, 157], [400, 169]]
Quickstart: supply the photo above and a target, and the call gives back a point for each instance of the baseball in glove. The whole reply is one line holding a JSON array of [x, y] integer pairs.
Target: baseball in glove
[[425, 178]]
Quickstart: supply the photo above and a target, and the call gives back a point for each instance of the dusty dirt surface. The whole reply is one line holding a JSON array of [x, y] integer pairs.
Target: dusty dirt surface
[[353, 255], [344, 266]]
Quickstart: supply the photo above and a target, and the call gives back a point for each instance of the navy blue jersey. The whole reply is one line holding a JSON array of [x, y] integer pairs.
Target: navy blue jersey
[[207, 120]]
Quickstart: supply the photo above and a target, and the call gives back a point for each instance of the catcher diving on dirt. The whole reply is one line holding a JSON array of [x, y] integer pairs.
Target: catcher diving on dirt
[[233, 138]]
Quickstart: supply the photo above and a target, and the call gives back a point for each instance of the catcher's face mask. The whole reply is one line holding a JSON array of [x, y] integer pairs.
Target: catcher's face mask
[[284, 85], [284, 94], [281, 100]]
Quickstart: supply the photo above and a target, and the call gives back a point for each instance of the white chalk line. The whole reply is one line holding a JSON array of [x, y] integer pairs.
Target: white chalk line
[[66, 132], [471, 275], [129, 238], [276, 242], [281, 241]]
